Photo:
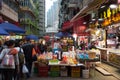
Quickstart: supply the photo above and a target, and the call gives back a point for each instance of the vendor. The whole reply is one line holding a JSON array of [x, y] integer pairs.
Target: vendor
[[56, 46]]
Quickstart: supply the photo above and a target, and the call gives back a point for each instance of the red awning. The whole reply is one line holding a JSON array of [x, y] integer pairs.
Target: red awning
[[67, 25], [83, 34]]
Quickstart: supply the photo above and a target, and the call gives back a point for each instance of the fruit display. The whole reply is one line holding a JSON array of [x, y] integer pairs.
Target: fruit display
[[54, 61]]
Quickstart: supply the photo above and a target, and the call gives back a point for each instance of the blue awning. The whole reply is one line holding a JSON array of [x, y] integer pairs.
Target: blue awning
[[32, 37], [11, 28], [3, 32], [62, 34]]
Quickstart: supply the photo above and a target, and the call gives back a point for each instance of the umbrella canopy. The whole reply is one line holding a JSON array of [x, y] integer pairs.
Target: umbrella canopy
[[11, 28], [3, 32], [63, 34], [32, 37], [47, 38]]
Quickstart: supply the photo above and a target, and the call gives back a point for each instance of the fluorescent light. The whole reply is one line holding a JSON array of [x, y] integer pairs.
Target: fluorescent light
[[113, 6], [100, 19], [102, 6]]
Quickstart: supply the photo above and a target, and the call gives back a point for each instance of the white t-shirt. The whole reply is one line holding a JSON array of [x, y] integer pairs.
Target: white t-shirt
[[56, 45]]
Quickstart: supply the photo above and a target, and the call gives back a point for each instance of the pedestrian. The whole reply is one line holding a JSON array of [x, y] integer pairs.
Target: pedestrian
[[27, 48], [42, 46], [21, 57], [8, 71]]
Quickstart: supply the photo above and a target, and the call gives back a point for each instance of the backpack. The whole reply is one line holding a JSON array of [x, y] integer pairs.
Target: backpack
[[21, 57], [8, 60]]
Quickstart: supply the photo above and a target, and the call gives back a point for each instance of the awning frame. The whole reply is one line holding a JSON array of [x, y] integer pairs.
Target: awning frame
[[95, 4]]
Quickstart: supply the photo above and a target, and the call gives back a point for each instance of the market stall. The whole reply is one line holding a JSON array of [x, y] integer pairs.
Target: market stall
[[72, 64], [111, 56]]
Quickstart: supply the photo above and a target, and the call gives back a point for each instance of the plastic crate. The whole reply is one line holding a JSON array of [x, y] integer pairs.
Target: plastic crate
[[35, 70], [43, 68], [54, 68], [43, 74], [54, 73], [75, 69], [64, 73], [75, 74]]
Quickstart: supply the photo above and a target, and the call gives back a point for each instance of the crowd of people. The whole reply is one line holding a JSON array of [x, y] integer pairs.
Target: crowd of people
[[29, 49]]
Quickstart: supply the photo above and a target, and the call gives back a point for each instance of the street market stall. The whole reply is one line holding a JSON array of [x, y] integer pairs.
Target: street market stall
[[111, 56], [72, 64]]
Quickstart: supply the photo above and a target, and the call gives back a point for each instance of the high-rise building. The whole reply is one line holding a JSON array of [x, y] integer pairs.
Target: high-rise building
[[42, 17], [53, 18], [27, 16], [9, 10]]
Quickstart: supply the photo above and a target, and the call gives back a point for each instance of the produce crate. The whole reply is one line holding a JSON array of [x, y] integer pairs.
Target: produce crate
[[75, 74], [54, 73], [54, 68], [75, 69], [43, 68], [43, 71], [64, 73], [43, 74], [35, 70]]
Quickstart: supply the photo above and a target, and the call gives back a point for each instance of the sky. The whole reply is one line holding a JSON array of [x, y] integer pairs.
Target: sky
[[49, 3]]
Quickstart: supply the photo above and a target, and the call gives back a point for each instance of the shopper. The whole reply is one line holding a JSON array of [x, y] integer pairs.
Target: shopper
[[56, 46], [27, 48], [21, 57], [42, 46], [8, 71]]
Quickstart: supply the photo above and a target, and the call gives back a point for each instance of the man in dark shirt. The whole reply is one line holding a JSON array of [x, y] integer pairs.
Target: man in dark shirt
[[27, 48]]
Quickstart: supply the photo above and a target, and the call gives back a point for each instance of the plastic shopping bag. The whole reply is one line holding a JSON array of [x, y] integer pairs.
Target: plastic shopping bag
[[25, 69]]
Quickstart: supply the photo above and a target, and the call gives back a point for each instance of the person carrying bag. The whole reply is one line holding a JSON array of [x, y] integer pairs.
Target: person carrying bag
[[9, 58]]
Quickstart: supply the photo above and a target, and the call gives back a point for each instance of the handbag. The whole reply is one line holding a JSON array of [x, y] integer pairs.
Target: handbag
[[24, 69]]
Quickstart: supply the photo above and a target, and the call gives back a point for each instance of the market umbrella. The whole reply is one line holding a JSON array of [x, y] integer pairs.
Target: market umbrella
[[3, 32], [47, 38], [62, 34], [11, 28], [32, 37]]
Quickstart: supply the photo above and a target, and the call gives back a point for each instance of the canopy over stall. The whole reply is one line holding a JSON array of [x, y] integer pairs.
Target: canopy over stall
[[11, 28], [3, 32], [33, 37]]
